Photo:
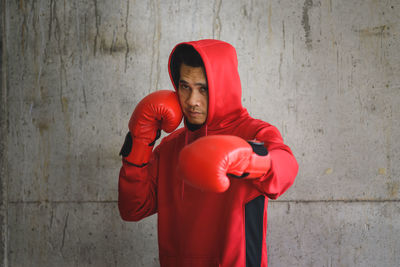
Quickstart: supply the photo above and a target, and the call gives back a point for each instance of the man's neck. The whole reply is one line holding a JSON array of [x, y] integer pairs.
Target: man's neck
[[193, 127]]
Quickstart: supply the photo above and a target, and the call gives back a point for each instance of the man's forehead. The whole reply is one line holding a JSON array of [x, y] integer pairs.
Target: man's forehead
[[193, 72]]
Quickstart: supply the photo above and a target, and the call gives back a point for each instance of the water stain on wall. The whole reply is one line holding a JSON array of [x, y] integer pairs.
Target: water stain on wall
[[378, 31], [216, 31], [42, 127], [98, 22], [306, 23], [393, 189], [43, 160], [114, 47]]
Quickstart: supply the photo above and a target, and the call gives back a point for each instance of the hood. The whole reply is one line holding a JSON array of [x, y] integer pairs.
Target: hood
[[224, 88]]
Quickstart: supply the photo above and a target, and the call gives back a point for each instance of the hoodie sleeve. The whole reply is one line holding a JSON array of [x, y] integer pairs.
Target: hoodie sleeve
[[137, 189], [284, 166]]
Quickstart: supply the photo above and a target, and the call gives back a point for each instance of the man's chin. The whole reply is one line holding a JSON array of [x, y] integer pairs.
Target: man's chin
[[195, 122]]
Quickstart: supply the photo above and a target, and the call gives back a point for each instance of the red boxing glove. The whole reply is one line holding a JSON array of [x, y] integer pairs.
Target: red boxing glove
[[210, 162], [158, 110]]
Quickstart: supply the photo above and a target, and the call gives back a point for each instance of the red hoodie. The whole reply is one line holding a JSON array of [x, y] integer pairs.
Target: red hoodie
[[197, 228]]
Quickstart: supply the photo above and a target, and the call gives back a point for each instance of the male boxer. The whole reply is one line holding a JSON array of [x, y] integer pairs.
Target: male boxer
[[209, 181]]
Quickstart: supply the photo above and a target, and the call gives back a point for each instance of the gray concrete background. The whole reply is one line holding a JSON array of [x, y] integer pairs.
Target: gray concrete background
[[325, 72]]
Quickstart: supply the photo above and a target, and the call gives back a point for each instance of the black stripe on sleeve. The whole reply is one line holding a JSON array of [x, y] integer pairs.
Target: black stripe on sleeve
[[254, 223]]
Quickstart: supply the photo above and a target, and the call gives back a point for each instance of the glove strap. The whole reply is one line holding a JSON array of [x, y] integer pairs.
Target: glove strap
[[259, 163], [258, 148], [141, 153]]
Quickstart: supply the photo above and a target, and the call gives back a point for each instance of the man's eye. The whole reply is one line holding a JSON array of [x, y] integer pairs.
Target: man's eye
[[203, 89], [184, 86]]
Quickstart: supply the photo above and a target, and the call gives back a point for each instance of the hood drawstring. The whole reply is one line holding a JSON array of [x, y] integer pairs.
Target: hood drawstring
[[183, 182], [186, 137], [183, 189]]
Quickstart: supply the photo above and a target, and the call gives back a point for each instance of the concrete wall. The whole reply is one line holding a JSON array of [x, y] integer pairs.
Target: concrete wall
[[325, 72]]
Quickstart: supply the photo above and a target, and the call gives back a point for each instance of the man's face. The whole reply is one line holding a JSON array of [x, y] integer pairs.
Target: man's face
[[193, 94]]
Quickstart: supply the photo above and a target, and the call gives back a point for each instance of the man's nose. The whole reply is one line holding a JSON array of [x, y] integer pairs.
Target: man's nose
[[193, 99]]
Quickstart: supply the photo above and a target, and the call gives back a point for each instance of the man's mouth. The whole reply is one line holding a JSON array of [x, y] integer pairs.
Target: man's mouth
[[194, 113]]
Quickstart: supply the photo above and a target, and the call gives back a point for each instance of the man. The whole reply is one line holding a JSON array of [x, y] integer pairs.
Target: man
[[208, 185]]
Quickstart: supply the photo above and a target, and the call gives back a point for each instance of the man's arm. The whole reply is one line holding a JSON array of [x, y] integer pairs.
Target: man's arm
[[137, 189], [138, 175], [284, 166], [210, 162]]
